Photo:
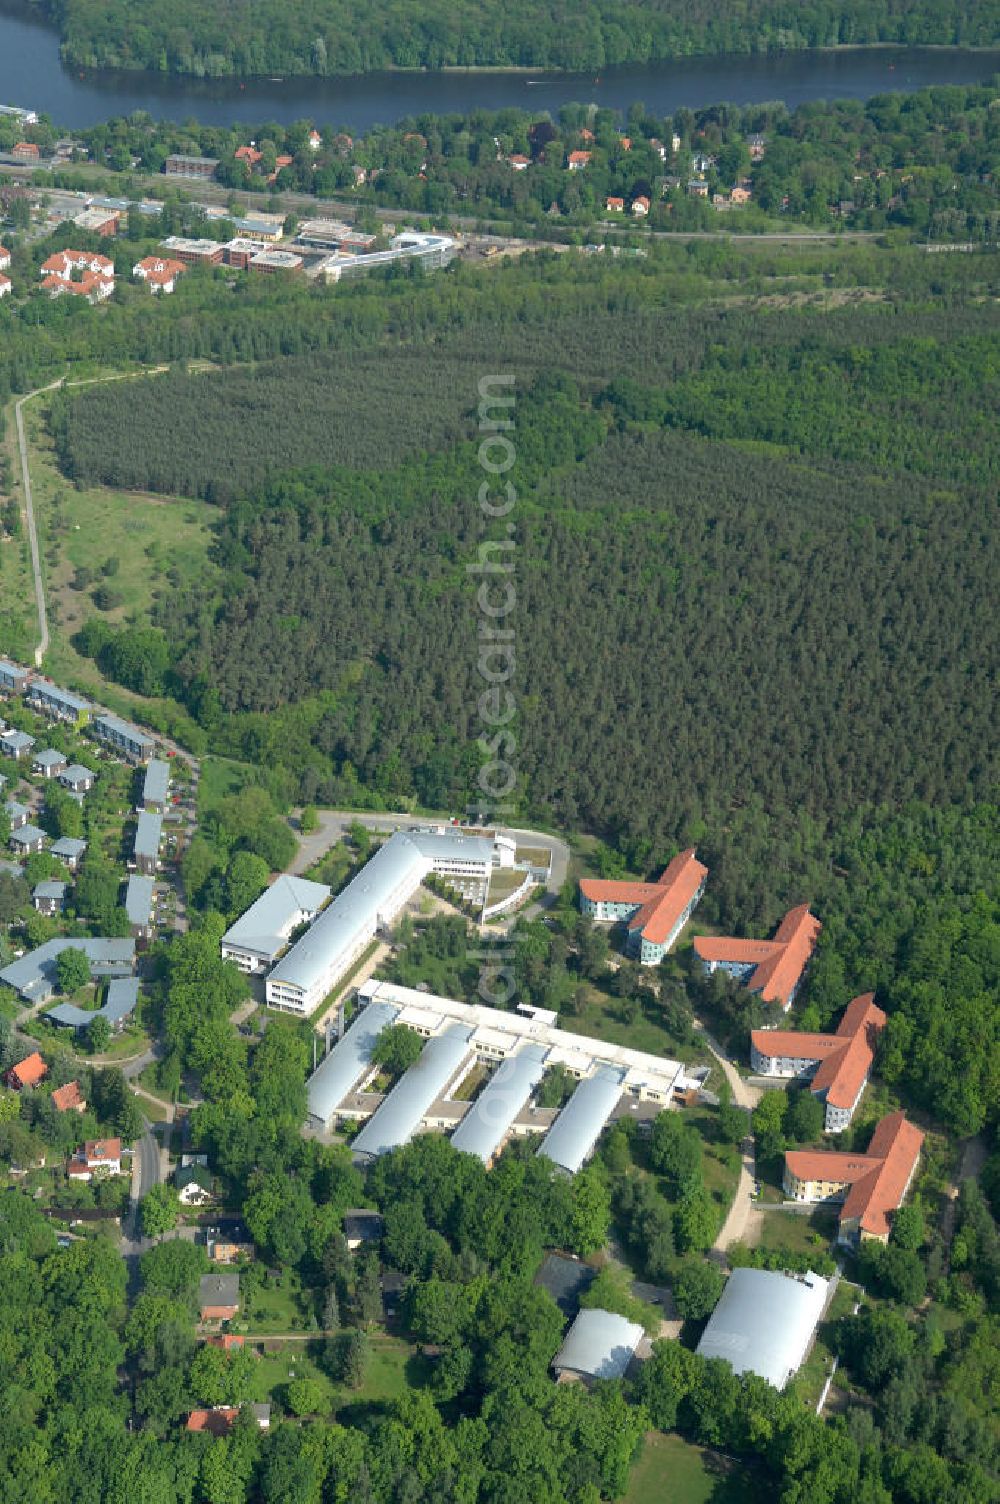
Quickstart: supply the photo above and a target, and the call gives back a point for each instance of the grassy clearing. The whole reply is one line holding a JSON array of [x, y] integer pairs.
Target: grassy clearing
[[394, 1368], [672, 1471], [796, 1233], [818, 1366], [720, 1163], [220, 777], [160, 544], [602, 1018]]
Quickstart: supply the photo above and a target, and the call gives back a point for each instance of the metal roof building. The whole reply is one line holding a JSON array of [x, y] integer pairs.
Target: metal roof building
[[347, 1062], [120, 1003], [578, 1127], [260, 934], [123, 737], [599, 1345], [765, 1322], [68, 848], [156, 782], [148, 832], [51, 697], [139, 900], [403, 1110], [488, 1121], [34, 975], [370, 901], [12, 677]]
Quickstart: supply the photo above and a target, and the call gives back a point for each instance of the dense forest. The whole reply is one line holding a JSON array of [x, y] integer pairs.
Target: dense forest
[[923, 163], [780, 517], [342, 36]]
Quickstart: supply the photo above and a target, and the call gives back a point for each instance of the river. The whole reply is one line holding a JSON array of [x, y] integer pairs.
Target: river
[[31, 75]]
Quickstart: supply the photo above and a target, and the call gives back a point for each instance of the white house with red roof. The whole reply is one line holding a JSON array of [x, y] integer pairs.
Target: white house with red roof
[[774, 969], [871, 1186], [159, 273], [655, 912], [102, 1155], [4, 258], [5, 285], [84, 273]]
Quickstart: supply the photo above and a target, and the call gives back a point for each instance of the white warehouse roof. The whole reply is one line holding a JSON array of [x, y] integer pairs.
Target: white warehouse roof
[[578, 1127], [764, 1322], [267, 923], [347, 1062], [401, 1113], [488, 1120], [599, 1345]]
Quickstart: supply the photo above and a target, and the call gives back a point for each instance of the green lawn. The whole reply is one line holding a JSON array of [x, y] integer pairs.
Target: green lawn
[[672, 1471], [220, 776], [797, 1233], [395, 1367], [815, 1370], [601, 1018]]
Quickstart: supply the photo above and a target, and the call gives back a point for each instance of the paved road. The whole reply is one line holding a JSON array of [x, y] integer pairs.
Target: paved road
[[29, 521]]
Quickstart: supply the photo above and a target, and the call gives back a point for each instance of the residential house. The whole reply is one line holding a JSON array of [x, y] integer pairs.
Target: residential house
[[315, 140], [13, 680], [578, 160], [123, 737], [838, 1065], [49, 897], [16, 744], [48, 762], [773, 969], [28, 839], [69, 849], [220, 1419], [77, 778], [194, 1185], [27, 1072], [654, 912], [139, 901], [227, 1342], [6, 286], [159, 273], [100, 1157], [249, 156], [640, 206], [655, 144], [17, 814], [615, 205], [519, 161], [48, 698], [702, 163], [698, 188], [5, 266], [870, 1187], [68, 1099], [740, 195], [228, 1250], [156, 786], [219, 1296], [26, 151], [148, 835], [362, 1227], [757, 145]]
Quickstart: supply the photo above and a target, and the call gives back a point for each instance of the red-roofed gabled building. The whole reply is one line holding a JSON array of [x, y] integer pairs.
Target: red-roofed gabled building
[[159, 273], [655, 912], [838, 1064], [870, 1186], [99, 1155], [68, 1099], [28, 1072], [772, 968], [578, 160]]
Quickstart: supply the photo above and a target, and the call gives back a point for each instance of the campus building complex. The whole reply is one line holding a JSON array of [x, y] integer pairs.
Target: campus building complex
[[373, 900], [655, 912], [261, 935], [870, 1186], [516, 1048], [773, 969], [838, 1064]]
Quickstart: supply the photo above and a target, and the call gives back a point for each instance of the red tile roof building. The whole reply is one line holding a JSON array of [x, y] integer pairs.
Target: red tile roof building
[[656, 912], [84, 273], [228, 1342], [248, 154], [26, 151], [870, 1186], [838, 1064], [27, 1072], [68, 1099], [159, 273], [578, 159], [5, 285], [100, 1154], [772, 968], [615, 205]]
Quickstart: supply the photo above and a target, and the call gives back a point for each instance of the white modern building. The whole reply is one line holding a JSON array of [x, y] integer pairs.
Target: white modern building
[[765, 1322], [261, 935], [371, 903], [518, 1048]]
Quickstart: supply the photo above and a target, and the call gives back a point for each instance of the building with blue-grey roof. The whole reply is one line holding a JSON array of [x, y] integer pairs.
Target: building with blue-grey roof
[[16, 744], [139, 905], [120, 1003], [58, 703], [26, 839], [35, 977], [77, 778], [124, 738], [442, 1061], [18, 814], [574, 1133], [260, 935], [49, 897], [765, 1322], [148, 834], [599, 1345], [484, 1128], [369, 904], [13, 678], [48, 762], [155, 786], [69, 849], [348, 1063]]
